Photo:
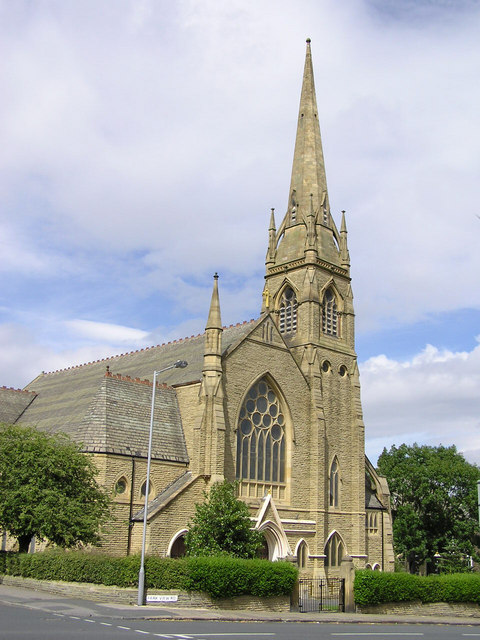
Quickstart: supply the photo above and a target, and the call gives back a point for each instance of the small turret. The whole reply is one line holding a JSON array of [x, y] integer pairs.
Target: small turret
[[212, 360], [272, 241], [344, 253]]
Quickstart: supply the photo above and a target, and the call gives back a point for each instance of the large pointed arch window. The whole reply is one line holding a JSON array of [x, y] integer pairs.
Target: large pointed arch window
[[288, 312], [261, 443], [330, 314], [334, 551]]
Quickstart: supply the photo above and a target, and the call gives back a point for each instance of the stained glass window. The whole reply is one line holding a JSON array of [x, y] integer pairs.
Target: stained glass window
[[261, 437]]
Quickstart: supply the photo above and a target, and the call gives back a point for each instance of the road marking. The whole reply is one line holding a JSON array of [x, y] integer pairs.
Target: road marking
[[141, 631], [125, 628], [88, 620], [106, 624], [60, 615], [371, 633], [74, 617]]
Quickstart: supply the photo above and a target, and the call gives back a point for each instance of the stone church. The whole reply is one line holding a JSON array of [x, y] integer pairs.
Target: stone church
[[273, 403]]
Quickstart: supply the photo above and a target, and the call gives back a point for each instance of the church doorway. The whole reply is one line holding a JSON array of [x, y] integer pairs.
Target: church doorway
[[177, 547], [263, 552]]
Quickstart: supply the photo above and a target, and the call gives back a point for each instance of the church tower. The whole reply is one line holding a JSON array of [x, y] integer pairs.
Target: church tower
[[309, 297], [307, 280]]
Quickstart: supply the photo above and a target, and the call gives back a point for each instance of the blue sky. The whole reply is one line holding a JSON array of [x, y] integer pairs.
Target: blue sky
[[132, 129]]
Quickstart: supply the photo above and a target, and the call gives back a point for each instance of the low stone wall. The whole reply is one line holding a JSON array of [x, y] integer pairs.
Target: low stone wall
[[117, 595], [466, 609]]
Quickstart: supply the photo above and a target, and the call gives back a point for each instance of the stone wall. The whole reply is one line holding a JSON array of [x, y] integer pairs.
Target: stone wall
[[428, 609], [117, 595]]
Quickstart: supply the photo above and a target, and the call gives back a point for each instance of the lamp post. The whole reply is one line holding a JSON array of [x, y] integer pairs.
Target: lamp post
[[179, 364]]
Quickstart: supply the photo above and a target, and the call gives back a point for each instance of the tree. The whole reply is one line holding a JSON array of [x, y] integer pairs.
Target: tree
[[434, 501], [48, 489], [221, 526]]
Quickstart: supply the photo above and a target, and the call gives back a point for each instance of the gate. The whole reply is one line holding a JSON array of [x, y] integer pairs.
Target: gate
[[321, 594]]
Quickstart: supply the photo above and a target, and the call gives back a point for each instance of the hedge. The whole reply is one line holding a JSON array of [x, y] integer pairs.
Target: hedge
[[218, 576], [374, 587]]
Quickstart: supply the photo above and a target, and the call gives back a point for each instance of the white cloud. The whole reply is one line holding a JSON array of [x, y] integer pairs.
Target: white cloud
[[102, 331], [144, 142], [434, 398]]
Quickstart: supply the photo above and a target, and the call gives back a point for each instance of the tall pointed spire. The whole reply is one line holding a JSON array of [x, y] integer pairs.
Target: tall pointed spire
[[308, 171], [308, 196]]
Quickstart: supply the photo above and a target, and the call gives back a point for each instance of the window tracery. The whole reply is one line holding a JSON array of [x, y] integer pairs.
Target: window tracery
[[288, 312], [261, 443], [330, 313], [334, 551]]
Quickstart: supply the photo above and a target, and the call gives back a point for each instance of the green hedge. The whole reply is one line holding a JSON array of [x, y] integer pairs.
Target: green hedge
[[218, 576], [374, 587]]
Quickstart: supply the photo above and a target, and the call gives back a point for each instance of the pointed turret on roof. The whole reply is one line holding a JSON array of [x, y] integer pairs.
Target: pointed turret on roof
[[212, 360]]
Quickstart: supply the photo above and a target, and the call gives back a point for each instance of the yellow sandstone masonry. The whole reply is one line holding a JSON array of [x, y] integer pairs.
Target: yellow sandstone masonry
[[273, 403]]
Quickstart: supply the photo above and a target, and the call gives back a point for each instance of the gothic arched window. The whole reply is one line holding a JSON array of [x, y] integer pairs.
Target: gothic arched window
[[261, 443], [329, 314], [334, 551], [288, 312], [334, 483], [302, 555]]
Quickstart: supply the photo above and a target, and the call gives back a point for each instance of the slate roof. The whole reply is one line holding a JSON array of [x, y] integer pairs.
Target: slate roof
[[166, 496], [118, 420], [81, 401], [371, 500], [13, 403]]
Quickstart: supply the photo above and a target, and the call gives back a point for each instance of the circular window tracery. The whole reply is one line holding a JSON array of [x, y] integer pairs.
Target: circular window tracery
[[261, 437], [120, 486]]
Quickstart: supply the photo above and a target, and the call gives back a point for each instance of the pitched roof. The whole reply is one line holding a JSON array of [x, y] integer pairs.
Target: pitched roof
[[166, 496], [66, 398], [13, 403], [118, 420]]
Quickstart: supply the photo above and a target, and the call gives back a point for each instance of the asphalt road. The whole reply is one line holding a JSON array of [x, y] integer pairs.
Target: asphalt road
[[29, 615]]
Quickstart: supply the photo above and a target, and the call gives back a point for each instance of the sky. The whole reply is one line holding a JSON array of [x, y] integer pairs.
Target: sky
[[145, 141]]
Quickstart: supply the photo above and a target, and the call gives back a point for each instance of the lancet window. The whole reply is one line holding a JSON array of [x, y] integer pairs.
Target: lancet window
[[288, 312], [330, 314], [261, 443], [334, 551], [334, 483]]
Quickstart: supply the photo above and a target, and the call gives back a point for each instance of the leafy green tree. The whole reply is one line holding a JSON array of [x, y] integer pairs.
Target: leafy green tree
[[48, 489], [434, 501], [221, 526]]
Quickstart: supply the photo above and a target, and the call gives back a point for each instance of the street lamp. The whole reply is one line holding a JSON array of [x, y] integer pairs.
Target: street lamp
[[179, 364]]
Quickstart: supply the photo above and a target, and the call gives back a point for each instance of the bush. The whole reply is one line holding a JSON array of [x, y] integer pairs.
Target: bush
[[373, 587], [218, 576]]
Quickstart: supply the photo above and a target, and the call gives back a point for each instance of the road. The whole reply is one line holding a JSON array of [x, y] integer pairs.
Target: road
[[30, 616]]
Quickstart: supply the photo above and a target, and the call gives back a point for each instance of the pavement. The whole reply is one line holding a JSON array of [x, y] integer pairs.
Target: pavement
[[35, 599]]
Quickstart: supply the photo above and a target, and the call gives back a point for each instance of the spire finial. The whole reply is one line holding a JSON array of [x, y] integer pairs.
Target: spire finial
[[308, 41]]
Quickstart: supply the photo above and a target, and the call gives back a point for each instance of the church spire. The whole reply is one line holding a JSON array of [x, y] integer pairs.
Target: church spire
[[308, 171], [308, 197]]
